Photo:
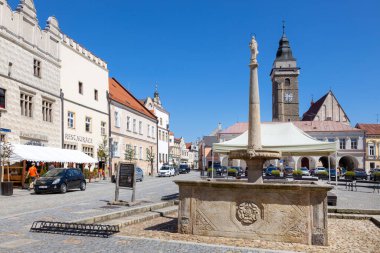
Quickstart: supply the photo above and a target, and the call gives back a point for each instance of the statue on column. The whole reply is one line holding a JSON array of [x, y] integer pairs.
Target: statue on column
[[254, 52]]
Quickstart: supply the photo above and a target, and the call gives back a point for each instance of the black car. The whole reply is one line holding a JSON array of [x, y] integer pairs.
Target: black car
[[184, 168], [361, 174], [60, 180]]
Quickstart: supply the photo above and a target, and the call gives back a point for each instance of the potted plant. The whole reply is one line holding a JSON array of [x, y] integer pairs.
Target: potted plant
[[350, 175], [95, 175], [297, 174], [376, 176], [232, 172], [322, 174], [6, 150], [275, 173], [87, 175]]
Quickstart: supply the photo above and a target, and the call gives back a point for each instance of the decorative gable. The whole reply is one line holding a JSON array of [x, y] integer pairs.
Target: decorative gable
[[327, 108]]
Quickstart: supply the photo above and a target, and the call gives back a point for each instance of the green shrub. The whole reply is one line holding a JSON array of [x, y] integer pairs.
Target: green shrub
[[209, 170], [297, 173], [95, 173], [275, 173], [349, 174], [232, 170], [43, 171], [322, 173], [377, 174], [86, 174]]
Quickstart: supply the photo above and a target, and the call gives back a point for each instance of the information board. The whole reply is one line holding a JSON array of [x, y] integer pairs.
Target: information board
[[126, 175]]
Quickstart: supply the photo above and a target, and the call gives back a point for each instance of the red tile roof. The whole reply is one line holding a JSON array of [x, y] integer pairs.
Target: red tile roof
[[188, 145], [314, 109], [306, 126], [324, 126], [371, 129], [121, 95], [237, 128]]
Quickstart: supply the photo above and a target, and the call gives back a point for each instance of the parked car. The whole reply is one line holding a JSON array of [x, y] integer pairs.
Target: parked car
[[218, 169], [360, 174], [139, 174], [60, 180], [166, 171], [333, 172], [184, 168], [305, 171], [268, 171], [288, 171]]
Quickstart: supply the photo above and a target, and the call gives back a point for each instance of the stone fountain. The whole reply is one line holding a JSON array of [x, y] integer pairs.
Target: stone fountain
[[287, 212]]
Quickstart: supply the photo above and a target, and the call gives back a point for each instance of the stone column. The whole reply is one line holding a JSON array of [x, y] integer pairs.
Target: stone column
[[255, 170], [254, 128]]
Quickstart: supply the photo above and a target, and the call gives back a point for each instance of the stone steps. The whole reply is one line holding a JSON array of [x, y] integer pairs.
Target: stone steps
[[128, 212], [141, 217]]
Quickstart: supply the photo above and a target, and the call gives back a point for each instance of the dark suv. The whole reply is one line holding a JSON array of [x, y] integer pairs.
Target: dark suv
[[60, 180], [184, 168]]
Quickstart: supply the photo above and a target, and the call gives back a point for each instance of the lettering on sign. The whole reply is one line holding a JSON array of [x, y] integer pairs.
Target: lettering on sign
[[73, 137], [126, 175], [33, 136]]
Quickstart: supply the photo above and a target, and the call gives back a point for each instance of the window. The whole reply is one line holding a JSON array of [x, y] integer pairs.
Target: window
[[354, 143], [2, 98], [88, 124], [140, 127], [37, 68], [135, 151], [96, 95], [141, 153], [80, 88], [71, 120], [342, 143], [2, 137], [159, 134], [26, 105], [331, 140], [103, 128], [153, 132], [134, 125], [128, 123], [287, 82], [371, 148], [88, 150], [70, 146], [115, 149], [160, 157], [117, 119], [47, 108], [371, 165], [148, 130]]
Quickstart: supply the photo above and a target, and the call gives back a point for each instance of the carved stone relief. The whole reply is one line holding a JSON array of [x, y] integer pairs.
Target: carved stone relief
[[247, 213]]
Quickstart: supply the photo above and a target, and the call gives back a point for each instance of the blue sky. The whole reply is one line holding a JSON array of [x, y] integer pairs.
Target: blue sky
[[197, 51]]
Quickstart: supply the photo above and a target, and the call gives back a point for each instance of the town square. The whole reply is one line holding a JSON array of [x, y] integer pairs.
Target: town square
[[199, 126]]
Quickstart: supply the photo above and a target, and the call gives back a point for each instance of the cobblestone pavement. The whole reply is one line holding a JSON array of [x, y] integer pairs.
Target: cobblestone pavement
[[19, 211]]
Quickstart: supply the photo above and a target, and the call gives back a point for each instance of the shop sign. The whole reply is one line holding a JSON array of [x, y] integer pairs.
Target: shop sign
[[73, 137], [37, 137], [5, 130]]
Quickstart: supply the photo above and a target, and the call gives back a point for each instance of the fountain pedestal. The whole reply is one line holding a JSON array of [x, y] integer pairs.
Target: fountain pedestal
[[294, 213]]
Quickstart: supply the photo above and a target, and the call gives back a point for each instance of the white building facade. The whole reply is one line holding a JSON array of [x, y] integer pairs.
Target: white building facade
[[84, 84], [133, 127], [30, 102], [163, 118]]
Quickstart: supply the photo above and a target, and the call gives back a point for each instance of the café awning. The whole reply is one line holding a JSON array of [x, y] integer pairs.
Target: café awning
[[48, 154], [282, 137]]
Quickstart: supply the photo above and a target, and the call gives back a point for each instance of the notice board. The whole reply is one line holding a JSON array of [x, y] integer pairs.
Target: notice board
[[126, 175]]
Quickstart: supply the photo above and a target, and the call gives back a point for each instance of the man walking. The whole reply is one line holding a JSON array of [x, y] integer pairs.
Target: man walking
[[33, 173]]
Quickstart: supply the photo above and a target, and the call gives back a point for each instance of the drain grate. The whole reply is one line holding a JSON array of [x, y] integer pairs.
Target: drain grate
[[80, 229]]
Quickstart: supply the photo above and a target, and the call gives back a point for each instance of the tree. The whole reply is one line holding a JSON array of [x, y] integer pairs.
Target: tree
[[150, 158], [6, 151], [129, 154], [103, 150]]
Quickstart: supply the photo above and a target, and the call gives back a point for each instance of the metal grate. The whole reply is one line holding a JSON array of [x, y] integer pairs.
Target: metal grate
[[93, 230]]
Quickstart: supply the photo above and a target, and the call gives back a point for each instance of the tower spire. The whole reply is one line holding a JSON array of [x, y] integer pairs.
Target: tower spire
[[283, 27]]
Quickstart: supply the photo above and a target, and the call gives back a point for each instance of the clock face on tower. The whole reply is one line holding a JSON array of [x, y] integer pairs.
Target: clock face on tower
[[288, 97]]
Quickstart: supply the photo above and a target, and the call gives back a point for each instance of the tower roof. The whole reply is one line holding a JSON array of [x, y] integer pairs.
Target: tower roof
[[284, 52]]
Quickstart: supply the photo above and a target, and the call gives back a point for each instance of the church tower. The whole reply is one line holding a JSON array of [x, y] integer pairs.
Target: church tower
[[284, 75]]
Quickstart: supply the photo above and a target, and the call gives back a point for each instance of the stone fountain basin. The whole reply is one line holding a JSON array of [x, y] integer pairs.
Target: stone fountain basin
[[294, 212]]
